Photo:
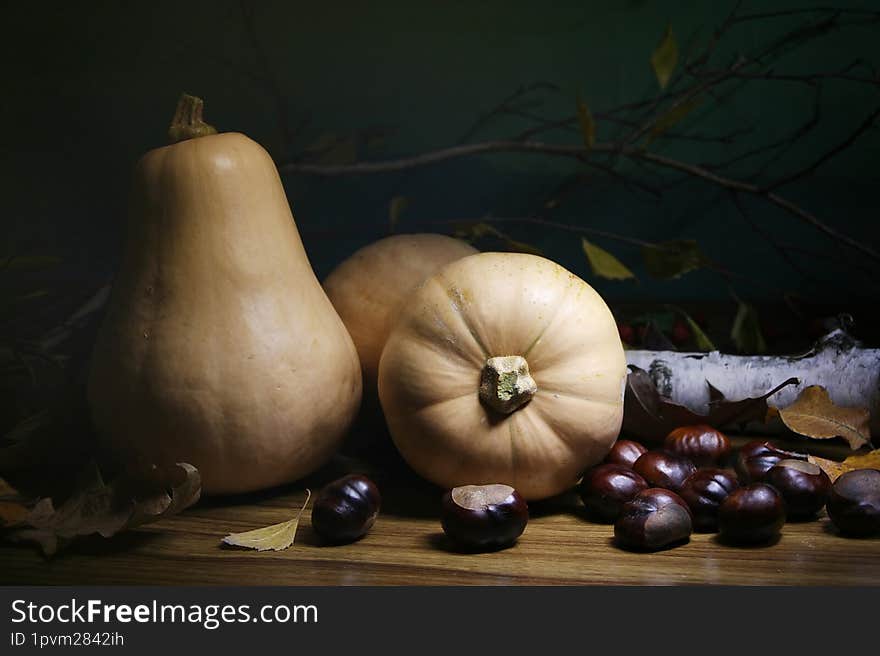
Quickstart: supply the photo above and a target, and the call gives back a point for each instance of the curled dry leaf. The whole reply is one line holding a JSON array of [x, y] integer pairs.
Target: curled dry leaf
[[649, 415], [870, 460], [815, 415], [132, 499], [276, 537]]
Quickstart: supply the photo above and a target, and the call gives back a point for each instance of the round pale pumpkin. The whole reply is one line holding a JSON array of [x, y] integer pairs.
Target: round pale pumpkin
[[504, 368], [369, 289]]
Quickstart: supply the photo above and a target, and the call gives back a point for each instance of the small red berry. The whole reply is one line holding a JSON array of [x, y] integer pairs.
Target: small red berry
[[681, 333], [627, 333]]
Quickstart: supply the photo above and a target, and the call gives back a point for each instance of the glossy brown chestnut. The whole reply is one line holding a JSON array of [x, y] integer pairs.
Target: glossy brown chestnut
[[664, 469], [704, 491], [625, 452], [854, 503], [654, 519], [484, 516], [803, 486], [755, 459], [751, 514], [605, 488], [703, 445], [345, 509]]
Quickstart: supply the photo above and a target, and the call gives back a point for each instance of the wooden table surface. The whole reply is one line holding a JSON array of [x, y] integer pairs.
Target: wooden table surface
[[407, 547]]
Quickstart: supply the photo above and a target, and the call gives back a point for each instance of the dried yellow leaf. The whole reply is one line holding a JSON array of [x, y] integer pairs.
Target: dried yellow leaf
[[588, 125], [604, 264], [276, 537], [12, 513], [870, 460], [395, 208], [665, 57], [815, 415]]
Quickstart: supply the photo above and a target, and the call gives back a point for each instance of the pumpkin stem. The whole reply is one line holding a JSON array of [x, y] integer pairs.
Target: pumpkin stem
[[506, 384], [187, 122]]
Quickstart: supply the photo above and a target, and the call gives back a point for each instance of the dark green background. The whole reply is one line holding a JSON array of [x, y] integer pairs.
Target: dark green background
[[90, 86]]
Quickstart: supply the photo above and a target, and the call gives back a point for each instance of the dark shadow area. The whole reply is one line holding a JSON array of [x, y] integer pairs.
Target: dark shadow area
[[95, 545], [741, 544], [441, 542], [612, 542]]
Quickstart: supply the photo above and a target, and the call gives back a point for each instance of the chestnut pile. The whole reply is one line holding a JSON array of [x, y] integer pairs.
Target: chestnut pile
[[656, 498]]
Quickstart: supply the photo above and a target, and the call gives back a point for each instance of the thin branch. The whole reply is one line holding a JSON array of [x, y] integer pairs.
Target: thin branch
[[443, 154], [612, 236], [266, 73], [505, 106], [856, 11], [736, 185], [576, 152], [756, 227], [825, 157], [781, 144]]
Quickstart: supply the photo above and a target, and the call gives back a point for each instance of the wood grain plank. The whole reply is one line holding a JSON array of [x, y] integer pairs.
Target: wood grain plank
[[407, 547]]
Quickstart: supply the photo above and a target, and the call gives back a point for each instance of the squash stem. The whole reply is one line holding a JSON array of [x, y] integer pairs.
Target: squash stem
[[187, 122], [506, 383]]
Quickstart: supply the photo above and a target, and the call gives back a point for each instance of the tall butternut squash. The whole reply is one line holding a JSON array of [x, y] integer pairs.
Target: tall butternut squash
[[219, 347]]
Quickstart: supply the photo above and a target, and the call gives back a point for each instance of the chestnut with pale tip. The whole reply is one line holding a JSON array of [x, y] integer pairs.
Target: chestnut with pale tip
[[346, 509], [756, 458], [655, 519], [752, 514], [484, 517], [803, 485], [854, 504], [664, 469], [625, 452], [703, 445], [605, 488]]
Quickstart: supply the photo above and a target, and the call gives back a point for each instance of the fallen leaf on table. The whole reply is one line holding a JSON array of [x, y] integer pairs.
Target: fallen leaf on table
[[12, 512], [834, 469], [815, 415], [12, 505], [131, 500], [649, 415], [276, 537], [7, 491]]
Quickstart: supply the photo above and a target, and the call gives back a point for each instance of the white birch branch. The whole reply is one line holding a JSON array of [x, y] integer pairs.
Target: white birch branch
[[850, 373]]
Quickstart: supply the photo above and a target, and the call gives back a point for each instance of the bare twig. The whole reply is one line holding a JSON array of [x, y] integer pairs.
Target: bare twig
[[710, 265], [829, 154], [692, 80], [579, 152], [268, 77], [443, 154]]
